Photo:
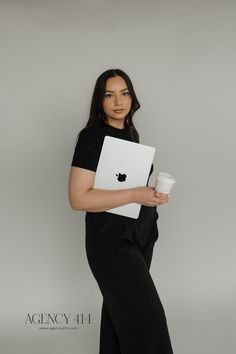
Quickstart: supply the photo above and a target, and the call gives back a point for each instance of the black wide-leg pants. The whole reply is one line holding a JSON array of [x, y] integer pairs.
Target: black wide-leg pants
[[133, 320]]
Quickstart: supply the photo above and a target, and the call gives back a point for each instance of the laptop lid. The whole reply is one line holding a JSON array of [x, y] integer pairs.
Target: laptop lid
[[123, 164]]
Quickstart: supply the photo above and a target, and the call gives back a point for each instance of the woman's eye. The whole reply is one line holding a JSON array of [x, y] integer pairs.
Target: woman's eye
[[108, 95]]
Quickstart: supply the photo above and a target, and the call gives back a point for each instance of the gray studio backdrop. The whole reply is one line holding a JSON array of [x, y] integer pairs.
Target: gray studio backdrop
[[181, 58]]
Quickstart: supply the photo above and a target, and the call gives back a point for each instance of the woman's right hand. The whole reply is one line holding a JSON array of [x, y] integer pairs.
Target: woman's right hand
[[149, 197]]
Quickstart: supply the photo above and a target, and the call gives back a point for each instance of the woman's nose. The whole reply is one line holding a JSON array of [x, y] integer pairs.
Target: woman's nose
[[118, 100]]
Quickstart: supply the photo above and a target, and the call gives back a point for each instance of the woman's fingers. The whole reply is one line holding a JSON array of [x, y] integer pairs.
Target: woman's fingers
[[150, 197], [161, 198]]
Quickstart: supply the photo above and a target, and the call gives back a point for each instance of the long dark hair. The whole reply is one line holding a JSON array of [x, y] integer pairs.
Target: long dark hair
[[96, 110]]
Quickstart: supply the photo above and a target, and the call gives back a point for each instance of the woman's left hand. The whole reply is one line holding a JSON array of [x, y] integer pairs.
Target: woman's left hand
[[164, 197]]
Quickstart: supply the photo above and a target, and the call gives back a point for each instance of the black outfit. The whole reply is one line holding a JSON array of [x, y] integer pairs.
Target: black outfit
[[119, 251]]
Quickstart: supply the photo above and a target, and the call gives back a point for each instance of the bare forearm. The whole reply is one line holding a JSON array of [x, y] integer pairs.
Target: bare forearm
[[96, 200]]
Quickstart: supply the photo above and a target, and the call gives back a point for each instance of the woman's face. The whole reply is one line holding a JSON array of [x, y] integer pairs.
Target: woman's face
[[117, 101]]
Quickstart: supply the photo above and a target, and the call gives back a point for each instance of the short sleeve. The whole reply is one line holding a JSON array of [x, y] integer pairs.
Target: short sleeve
[[87, 150]]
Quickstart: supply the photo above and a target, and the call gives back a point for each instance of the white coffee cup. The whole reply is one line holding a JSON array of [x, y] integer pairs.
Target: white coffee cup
[[164, 182]]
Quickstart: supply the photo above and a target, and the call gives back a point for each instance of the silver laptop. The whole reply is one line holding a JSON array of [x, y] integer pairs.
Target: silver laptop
[[123, 164]]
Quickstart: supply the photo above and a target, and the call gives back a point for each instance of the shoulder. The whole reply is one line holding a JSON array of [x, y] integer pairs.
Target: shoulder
[[88, 146], [90, 135], [91, 131]]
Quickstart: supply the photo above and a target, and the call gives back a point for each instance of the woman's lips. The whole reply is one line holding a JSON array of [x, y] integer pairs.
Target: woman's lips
[[118, 110]]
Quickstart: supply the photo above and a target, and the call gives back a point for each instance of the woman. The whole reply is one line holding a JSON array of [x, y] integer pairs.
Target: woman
[[119, 249]]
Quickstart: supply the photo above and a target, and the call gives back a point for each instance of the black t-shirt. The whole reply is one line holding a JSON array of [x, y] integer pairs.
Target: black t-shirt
[[88, 147], [86, 155]]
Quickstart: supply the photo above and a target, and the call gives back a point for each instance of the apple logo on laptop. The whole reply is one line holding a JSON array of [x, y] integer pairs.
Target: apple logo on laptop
[[121, 177]]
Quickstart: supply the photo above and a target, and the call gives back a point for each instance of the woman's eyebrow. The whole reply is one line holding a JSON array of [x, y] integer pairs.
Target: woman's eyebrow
[[120, 90]]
